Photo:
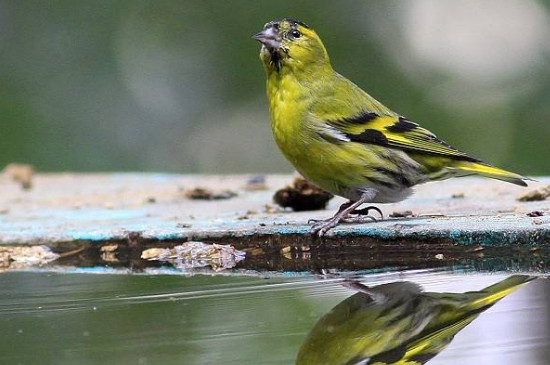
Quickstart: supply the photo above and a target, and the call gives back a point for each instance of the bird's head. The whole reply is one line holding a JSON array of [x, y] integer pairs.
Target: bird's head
[[290, 44]]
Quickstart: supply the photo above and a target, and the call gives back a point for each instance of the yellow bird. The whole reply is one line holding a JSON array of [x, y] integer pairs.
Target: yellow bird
[[341, 138]]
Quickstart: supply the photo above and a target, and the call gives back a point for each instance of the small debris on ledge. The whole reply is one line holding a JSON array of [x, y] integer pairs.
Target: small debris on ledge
[[18, 257], [458, 196], [535, 195], [402, 214], [537, 221], [302, 195], [196, 254], [271, 209], [286, 249], [256, 183], [208, 194], [535, 213], [20, 173], [108, 252]]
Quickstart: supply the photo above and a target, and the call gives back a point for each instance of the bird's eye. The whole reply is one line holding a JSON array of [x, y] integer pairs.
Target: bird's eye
[[295, 33]]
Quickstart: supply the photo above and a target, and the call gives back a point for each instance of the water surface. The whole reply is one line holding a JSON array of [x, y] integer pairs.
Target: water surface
[[56, 318]]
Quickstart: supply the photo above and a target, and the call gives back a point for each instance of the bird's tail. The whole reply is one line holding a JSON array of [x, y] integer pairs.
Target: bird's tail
[[477, 168], [496, 292], [462, 309]]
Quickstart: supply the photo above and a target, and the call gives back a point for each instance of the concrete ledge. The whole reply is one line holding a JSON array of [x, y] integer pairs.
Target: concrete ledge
[[62, 208]]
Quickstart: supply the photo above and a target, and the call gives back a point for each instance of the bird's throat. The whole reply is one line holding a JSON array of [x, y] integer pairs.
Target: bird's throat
[[276, 59]]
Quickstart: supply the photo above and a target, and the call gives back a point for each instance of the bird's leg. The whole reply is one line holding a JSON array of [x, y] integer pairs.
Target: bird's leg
[[355, 285], [321, 227], [376, 296]]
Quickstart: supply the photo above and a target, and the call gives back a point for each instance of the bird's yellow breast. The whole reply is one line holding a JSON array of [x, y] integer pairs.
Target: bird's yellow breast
[[288, 108], [329, 166]]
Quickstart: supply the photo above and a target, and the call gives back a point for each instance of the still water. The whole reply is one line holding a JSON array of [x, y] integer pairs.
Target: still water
[[60, 318]]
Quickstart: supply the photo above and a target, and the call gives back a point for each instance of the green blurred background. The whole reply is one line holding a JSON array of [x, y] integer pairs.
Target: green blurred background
[[177, 86]]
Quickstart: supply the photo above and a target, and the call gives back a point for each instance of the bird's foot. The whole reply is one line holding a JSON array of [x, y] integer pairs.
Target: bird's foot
[[321, 227]]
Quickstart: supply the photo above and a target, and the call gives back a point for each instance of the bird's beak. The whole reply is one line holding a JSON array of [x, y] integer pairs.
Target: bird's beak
[[269, 37]]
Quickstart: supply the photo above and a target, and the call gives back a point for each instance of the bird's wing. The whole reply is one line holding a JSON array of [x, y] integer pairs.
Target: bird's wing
[[394, 131]]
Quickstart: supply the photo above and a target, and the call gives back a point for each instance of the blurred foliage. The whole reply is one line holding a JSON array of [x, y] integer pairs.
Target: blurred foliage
[[177, 85]]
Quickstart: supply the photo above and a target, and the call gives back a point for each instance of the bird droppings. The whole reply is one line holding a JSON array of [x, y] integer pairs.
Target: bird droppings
[[537, 194], [193, 254], [20, 173], [19, 257], [402, 214], [208, 194], [301, 196]]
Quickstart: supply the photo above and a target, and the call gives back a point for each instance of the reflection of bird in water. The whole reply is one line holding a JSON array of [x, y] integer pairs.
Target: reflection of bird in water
[[396, 323]]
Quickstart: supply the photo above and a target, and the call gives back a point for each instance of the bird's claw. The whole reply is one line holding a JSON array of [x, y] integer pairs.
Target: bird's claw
[[359, 219], [321, 227]]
